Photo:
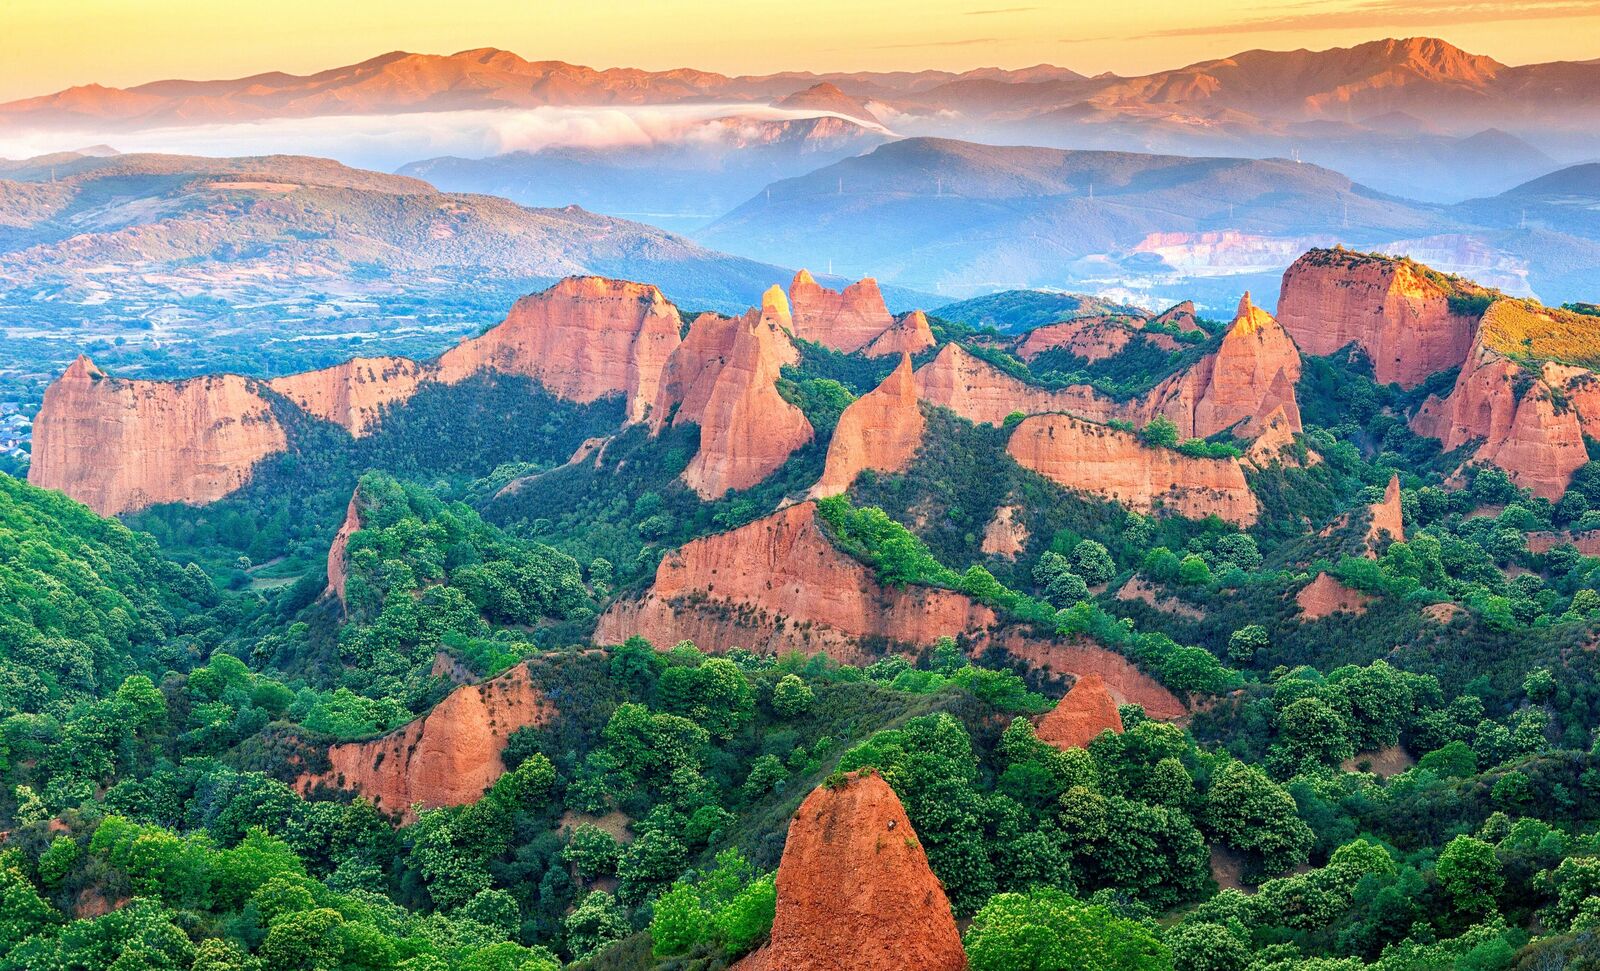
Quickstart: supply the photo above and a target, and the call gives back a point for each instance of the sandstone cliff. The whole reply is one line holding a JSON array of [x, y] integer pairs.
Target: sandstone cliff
[[1399, 317], [338, 553], [847, 321], [1086, 711], [982, 393], [118, 445], [855, 892], [910, 334], [353, 394], [1113, 464], [1524, 422], [1091, 338], [1275, 444], [1387, 518], [747, 429], [582, 339], [880, 430], [1249, 378], [448, 757], [1181, 316], [1325, 596], [779, 584]]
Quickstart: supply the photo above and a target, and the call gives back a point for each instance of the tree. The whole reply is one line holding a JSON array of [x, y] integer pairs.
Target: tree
[[767, 773], [1310, 733], [791, 696], [1470, 875], [22, 910], [1252, 813], [591, 852], [1093, 562], [1245, 642], [1193, 571], [596, 922], [651, 861], [1160, 432], [1206, 947], [715, 695], [1047, 930]]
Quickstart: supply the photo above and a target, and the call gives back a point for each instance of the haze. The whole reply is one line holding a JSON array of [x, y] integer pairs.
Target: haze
[[46, 45]]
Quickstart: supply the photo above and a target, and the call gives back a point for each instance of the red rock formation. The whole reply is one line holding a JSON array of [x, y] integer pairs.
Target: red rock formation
[[1275, 442], [1114, 464], [1250, 377], [1005, 536], [118, 445], [1538, 443], [1586, 542], [855, 892], [982, 393], [880, 430], [1386, 517], [1325, 596], [909, 335], [338, 553], [747, 429], [1091, 338], [1181, 316], [583, 339], [448, 757], [1332, 298], [1086, 711], [847, 321], [353, 394], [779, 584]]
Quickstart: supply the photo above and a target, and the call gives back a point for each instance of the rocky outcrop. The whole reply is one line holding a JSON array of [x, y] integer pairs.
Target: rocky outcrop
[[881, 430], [338, 553], [1091, 338], [1586, 542], [855, 892], [1113, 464], [910, 334], [1275, 443], [747, 429], [353, 394], [1325, 596], [846, 321], [1399, 317], [1523, 422], [1250, 378], [1386, 517], [1005, 535], [583, 339], [1181, 316], [448, 757], [779, 584], [1086, 711], [118, 445], [982, 393]]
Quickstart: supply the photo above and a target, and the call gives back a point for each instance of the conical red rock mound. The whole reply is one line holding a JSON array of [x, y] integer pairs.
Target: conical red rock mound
[[855, 892], [1086, 711]]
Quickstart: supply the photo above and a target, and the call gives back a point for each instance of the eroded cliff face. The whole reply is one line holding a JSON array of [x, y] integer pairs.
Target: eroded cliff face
[[779, 584], [1181, 316], [1387, 517], [910, 334], [1525, 422], [1086, 711], [855, 892], [982, 393], [582, 339], [338, 553], [1113, 464], [880, 430], [1091, 338], [353, 394], [1324, 596], [1401, 319], [747, 429], [1249, 378], [117, 445], [448, 757], [1275, 444], [846, 321]]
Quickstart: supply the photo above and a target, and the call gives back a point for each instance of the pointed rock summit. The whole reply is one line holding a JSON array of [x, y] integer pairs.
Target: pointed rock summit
[[338, 553], [880, 430], [1086, 711], [1386, 517], [910, 334], [855, 892], [846, 321]]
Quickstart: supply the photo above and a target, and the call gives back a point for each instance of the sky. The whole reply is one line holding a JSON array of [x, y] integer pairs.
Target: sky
[[46, 45]]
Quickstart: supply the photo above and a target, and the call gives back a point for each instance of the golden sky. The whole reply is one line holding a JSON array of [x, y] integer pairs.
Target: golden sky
[[46, 45]]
